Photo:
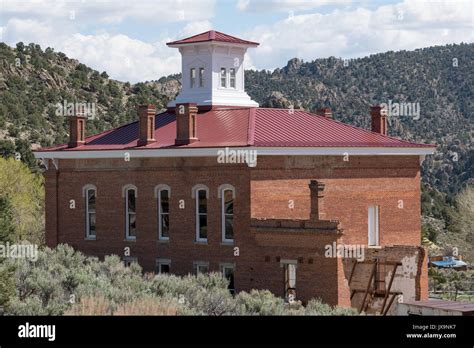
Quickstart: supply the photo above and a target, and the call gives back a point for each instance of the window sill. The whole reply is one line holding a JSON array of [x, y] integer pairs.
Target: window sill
[[374, 246], [164, 241], [227, 243], [90, 238], [130, 240]]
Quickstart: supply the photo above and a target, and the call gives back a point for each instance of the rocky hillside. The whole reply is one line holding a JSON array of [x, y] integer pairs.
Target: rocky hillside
[[440, 80], [33, 82]]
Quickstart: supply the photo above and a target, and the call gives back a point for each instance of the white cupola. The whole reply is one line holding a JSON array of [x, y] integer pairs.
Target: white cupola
[[213, 70]]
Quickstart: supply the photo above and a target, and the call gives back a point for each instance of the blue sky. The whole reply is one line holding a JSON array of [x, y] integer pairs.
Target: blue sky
[[127, 38]]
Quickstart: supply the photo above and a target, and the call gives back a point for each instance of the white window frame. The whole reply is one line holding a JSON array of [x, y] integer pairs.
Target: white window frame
[[289, 268], [223, 78], [88, 215], [223, 267], [233, 78], [85, 194], [221, 195], [373, 222], [125, 191], [198, 264], [158, 190], [201, 77], [198, 215], [161, 262], [192, 79]]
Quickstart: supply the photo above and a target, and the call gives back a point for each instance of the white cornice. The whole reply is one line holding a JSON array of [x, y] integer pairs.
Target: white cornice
[[260, 151]]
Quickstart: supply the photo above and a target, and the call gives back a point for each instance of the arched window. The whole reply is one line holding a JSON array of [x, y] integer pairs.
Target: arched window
[[162, 194], [129, 193], [89, 192], [201, 194], [227, 194]]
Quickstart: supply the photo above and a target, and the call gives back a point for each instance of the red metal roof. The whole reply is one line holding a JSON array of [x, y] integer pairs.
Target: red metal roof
[[212, 35], [283, 127], [259, 127]]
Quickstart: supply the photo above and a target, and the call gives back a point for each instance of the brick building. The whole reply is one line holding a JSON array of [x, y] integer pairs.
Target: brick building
[[215, 183]]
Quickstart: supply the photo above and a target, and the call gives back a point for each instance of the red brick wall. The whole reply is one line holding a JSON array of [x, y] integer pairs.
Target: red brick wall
[[263, 191], [350, 188], [145, 175], [316, 275]]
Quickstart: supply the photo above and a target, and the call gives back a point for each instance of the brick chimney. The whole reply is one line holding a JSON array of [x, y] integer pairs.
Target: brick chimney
[[326, 112], [379, 119], [146, 124], [316, 189], [77, 129], [186, 123]]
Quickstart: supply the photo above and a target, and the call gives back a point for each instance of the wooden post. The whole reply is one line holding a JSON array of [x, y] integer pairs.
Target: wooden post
[[387, 291], [368, 286]]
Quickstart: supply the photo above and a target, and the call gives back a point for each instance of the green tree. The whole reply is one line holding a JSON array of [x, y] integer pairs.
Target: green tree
[[7, 229], [25, 192], [7, 289], [20, 47], [7, 148]]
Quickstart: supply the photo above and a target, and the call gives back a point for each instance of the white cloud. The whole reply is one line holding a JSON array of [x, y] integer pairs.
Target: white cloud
[[111, 11], [194, 28], [359, 32], [285, 5], [122, 57], [343, 32], [59, 24]]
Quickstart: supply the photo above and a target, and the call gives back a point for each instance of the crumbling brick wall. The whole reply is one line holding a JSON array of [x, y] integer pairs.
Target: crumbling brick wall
[[408, 282]]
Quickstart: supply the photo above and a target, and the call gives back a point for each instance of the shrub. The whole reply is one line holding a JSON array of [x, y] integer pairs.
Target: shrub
[[316, 307], [204, 294], [259, 302], [7, 286], [63, 281]]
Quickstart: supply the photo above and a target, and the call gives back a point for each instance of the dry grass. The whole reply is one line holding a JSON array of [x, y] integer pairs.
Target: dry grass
[[101, 306], [90, 306], [146, 307]]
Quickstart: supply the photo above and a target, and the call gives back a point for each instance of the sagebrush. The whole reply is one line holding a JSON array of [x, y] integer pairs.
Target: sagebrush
[[64, 281]]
